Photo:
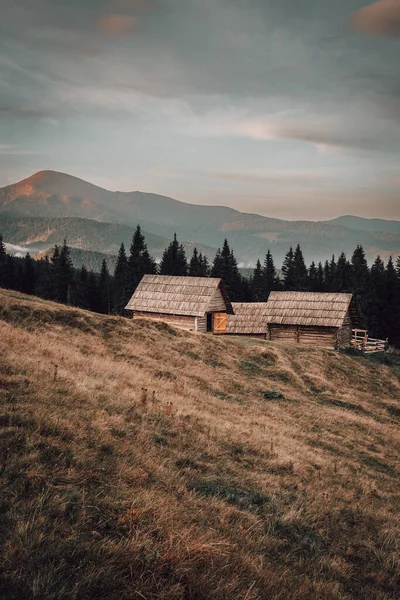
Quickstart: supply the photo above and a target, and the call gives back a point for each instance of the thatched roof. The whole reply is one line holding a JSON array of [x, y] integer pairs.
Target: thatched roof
[[190, 296], [307, 308], [249, 318]]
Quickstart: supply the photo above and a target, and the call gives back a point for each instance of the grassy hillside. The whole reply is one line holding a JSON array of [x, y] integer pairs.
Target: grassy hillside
[[247, 470]]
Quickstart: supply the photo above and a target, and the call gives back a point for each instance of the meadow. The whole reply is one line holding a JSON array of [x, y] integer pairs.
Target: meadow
[[143, 462]]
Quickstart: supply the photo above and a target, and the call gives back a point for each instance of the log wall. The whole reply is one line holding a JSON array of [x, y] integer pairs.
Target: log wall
[[180, 321], [201, 324], [344, 333], [325, 337]]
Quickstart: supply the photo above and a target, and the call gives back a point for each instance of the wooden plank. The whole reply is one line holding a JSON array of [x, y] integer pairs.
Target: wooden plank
[[219, 323]]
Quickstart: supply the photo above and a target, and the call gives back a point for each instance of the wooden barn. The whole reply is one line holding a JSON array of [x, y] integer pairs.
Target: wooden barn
[[249, 318], [192, 303], [318, 319]]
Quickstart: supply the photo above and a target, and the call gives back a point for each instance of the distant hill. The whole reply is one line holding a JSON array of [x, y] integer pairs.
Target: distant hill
[[361, 224], [38, 234], [54, 195]]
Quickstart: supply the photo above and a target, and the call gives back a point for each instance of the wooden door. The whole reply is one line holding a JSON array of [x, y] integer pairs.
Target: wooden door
[[219, 322]]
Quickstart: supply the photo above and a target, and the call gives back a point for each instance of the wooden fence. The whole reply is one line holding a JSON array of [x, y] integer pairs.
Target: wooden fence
[[367, 345]]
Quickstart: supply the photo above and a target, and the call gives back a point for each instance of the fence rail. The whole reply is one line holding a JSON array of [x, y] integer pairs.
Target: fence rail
[[367, 345]]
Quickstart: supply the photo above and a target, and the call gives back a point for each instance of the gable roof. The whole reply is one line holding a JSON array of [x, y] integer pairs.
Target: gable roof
[[308, 308], [249, 318], [189, 296]]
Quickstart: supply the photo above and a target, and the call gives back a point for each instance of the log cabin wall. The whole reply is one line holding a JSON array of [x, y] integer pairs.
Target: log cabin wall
[[201, 324], [344, 333], [182, 322], [325, 337]]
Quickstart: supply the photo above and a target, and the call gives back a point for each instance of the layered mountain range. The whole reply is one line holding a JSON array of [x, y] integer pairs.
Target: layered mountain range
[[40, 211]]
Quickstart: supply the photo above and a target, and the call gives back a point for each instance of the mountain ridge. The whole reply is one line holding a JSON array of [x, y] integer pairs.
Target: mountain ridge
[[50, 194]]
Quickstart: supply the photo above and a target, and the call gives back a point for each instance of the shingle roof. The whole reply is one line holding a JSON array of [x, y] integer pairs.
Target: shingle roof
[[307, 308], [249, 318], [192, 296]]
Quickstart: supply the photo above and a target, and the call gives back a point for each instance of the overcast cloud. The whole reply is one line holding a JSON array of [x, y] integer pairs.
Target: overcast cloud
[[287, 108]]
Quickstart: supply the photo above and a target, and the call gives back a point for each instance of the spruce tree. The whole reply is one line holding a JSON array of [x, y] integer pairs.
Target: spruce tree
[[391, 305], [195, 266], [360, 277], [377, 298], [122, 282], [258, 283], [313, 278], [174, 261], [104, 289], [225, 266], [300, 274], [288, 271], [342, 279], [28, 275], [320, 278], [140, 262], [270, 276], [204, 266], [327, 277], [3, 260]]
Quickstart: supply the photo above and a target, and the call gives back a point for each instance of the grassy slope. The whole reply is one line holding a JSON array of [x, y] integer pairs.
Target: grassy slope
[[231, 496]]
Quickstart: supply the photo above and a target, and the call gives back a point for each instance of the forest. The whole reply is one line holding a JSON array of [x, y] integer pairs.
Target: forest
[[376, 288]]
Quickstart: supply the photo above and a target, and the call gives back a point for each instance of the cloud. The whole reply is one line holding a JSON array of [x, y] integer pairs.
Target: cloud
[[117, 24], [380, 18]]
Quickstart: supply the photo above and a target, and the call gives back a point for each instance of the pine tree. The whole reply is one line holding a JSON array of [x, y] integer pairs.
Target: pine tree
[[140, 262], [28, 275], [122, 282], [332, 273], [258, 283], [300, 274], [204, 266], [377, 298], [288, 271], [342, 279], [93, 292], [360, 282], [104, 289], [313, 278], [391, 305], [398, 266], [195, 264], [270, 276], [327, 277], [80, 289], [66, 273], [225, 266], [320, 278], [174, 261], [44, 285], [3, 260]]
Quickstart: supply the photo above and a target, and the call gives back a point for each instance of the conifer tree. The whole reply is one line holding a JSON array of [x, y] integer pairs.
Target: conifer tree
[[204, 266], [104, 289], [140, 262], [28, 275], [225, 266], [313, 278], [270, 276], [377, 298], [360, 282], [93, 292], [320, 278], [391, 305], [288, 271], [327, 277], [3, 260], [122, 283], [342, 279], [196, 264], [258, 283], [174, 261], [300, 274]]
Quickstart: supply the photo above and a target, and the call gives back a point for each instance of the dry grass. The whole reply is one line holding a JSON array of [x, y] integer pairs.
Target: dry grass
[[213, 487]]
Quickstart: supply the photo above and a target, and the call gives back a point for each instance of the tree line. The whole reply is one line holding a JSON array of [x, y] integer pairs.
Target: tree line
[[376, 289]]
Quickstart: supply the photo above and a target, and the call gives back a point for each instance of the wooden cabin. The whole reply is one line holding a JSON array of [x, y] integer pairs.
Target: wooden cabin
[[318, 319], [191, 303], [249, 318]]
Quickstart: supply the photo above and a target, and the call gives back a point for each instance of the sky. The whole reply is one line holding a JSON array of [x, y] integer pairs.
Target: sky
[[287, 108]]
